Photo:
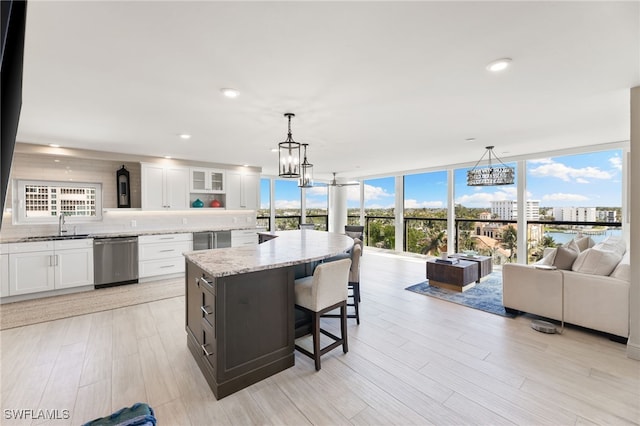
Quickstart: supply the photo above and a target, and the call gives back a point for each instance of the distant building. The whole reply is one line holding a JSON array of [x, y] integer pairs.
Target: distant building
[[508, 209], [607, 215], [485, 215], [575, 214]]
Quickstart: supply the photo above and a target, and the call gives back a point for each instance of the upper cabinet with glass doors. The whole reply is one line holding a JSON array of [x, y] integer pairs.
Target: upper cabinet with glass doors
[[208, 181]]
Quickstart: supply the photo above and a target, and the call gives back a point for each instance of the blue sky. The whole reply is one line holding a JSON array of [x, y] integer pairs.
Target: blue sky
[[583, 180]]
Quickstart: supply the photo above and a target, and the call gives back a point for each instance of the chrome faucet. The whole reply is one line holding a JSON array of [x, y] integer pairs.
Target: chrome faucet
[[60, 225]]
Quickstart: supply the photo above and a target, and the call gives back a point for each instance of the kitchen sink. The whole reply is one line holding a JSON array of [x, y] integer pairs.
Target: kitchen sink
[[56, 237]]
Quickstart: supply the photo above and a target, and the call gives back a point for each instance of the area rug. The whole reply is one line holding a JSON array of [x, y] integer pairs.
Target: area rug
[[485, 296], [27, 312]]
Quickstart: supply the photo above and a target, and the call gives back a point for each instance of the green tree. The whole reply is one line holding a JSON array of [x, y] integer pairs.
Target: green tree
[[509, 239]]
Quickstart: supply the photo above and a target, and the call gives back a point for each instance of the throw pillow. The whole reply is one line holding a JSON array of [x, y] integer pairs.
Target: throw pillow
[[596, 261], [623, 270], [564, 258], [584, 243], [614, 244], [572, 245], [548, 258]]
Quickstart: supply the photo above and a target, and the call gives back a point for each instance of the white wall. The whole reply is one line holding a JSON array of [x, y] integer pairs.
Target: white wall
[[633, 346]]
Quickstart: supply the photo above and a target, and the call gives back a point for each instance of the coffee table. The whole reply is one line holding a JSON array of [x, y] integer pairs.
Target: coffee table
[[459, 276], [485, 263]]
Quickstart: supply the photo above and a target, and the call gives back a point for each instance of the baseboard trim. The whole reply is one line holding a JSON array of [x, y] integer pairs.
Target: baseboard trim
[[633, 351]]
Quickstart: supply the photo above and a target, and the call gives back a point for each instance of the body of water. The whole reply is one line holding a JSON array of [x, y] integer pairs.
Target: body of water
[[562, 237]]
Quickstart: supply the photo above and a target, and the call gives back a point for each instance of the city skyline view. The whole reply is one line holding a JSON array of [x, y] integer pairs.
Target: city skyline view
[[583, 180]]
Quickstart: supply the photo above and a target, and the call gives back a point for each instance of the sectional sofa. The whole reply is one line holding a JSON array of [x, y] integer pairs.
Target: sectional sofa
[[595, 279]]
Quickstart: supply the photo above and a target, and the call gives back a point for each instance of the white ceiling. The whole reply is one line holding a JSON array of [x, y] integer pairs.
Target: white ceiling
[[377, 87]]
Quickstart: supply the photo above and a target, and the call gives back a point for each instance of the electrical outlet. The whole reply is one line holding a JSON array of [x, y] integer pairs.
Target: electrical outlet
[[134, 223], [184, 220]]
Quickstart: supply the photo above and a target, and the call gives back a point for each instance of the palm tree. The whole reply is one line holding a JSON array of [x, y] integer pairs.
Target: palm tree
[[434, 243], [509, 239]]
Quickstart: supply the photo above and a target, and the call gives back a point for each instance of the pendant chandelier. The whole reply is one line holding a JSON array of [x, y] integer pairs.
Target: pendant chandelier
[[490, 176], [306, 171], [289, 155]]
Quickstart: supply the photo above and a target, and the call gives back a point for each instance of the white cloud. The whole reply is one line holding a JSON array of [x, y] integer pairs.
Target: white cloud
[[317, 191], [581, 180], [567, 173], [374, 192], [415, 204], [484, 199], [559, 196], [616, 162], [287, 204], [540, 161]]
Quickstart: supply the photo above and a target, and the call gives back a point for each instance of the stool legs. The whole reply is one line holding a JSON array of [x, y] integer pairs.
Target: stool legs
[[316, 330]]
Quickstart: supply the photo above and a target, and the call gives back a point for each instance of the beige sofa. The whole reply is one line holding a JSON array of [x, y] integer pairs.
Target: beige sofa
[[596, 286]]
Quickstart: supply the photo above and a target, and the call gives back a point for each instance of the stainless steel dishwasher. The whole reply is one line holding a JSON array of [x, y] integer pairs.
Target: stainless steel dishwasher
[[115, 261]]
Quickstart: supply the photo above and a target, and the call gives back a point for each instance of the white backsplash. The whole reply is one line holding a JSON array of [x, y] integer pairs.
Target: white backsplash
[[129, 221]]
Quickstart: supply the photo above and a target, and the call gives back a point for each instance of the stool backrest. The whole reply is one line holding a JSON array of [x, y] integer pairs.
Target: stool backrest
[[330, 283], [354, 272]]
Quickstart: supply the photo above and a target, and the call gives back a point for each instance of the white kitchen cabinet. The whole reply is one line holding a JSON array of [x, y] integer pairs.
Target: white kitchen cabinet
[[243, 191], [74, 263], [50, 265], [4, 270], [162, 254], [164, 187], [206, 181], [244, 237]]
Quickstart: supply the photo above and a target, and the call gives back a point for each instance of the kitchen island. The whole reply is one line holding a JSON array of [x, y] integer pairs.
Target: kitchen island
[[240, 305]]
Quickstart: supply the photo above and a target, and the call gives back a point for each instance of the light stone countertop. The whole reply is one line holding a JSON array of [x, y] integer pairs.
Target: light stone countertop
[[116, 234], [289, 248]]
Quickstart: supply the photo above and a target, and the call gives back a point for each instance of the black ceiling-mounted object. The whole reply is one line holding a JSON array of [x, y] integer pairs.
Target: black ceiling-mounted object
[[490, 176], [289, 154], [124, 188]]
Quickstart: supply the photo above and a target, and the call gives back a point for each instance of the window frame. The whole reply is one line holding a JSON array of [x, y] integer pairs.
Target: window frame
[[19, 202]]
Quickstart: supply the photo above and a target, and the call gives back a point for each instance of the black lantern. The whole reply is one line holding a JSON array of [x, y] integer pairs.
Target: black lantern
[[289, 155], [122, 183]]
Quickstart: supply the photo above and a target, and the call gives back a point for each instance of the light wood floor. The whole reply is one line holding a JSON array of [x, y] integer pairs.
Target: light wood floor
[[413, 360]]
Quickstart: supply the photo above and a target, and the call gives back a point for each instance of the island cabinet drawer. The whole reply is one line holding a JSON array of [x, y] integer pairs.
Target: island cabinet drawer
[[208, 307], [164, 238], [163, 250], [151, 268], [209, 346]]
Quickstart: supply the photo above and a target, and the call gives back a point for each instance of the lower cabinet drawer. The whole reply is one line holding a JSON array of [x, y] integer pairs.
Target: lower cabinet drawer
[[163, 251], [150, 268], [209, 346]]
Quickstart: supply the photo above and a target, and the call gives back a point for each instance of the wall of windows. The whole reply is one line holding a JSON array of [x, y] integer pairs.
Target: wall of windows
[[425, 212], [287, 204], [476, 211], [379, 210], [565, 195], [317, 206], [579, 193]]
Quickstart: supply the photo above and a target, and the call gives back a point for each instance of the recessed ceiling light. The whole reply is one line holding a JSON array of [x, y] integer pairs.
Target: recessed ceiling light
[[185, 136], [499, 65], [230, 93], [54, 145], [470, 139], [168, 157]]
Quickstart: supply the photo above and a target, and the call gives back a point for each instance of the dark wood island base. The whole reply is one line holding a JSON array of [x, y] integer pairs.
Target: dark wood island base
[[240, 328]]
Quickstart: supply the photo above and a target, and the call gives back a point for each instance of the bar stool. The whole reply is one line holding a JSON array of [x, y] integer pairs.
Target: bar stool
[[354, 282], [320, 293]]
